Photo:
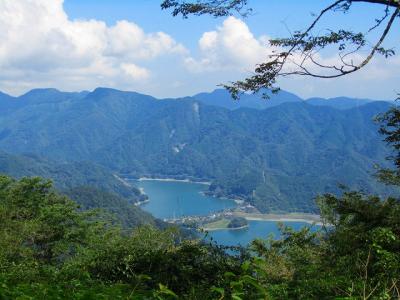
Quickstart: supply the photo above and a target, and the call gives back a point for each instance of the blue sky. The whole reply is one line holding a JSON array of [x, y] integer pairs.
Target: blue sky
[[272, 17], [134, 45]]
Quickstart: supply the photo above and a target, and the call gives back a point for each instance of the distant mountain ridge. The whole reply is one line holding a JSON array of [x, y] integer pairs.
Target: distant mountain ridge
[[222, 98], [218, 97], [278, 157]]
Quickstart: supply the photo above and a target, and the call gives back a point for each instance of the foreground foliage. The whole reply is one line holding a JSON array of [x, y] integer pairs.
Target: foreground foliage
[[49, 249]]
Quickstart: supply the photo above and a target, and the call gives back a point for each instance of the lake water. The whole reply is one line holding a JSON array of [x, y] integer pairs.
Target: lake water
[[175, 199], [256, 229], [169, 199]]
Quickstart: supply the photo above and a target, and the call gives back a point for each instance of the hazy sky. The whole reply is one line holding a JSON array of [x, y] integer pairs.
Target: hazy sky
[[133, 45]]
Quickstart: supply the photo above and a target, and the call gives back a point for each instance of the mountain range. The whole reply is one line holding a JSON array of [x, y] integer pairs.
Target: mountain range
[[222, 98], [277, 154]]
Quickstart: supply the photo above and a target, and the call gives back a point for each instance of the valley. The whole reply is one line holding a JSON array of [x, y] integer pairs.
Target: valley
[[199, 150], [277, 157]]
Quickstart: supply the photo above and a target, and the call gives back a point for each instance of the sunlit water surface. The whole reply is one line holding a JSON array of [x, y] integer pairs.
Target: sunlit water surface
[[175, 199]]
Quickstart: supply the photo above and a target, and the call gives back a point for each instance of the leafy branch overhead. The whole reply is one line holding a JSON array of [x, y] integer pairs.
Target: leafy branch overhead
[[300, 54]]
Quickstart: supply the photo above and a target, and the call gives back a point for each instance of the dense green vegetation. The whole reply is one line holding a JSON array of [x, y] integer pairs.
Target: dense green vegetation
[[90, 185], [49, 249], [278, 158], [52, 248], [125, 213], [237, 222], [68, 175]]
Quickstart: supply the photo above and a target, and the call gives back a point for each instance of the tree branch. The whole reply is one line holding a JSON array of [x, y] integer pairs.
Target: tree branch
[[301, 43], [392, 3]]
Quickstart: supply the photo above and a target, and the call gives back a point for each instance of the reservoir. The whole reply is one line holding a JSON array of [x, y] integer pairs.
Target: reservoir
[[171, 199], [256, 229]]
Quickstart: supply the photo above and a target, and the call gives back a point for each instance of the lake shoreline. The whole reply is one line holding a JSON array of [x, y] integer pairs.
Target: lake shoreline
[[173, 180], [289, 217], [122, 180], [169, 199], [225, 228], [284, 217], [139, 203]]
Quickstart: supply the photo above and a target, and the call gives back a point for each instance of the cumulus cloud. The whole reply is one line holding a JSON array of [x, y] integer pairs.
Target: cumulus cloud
[[135, 71], [42, 47], [231, 46], [129, 40], [39, 42], [233, 50]]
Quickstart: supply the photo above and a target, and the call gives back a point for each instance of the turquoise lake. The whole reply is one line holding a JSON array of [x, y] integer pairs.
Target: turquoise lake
[[169, 199], [256, 229]]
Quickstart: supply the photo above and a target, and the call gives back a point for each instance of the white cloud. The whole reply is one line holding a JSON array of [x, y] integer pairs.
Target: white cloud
[[128, 40], [41, 47], [136, 72], [232, 46], [377, 80], [232, 51], [40, 43], [209, 41]]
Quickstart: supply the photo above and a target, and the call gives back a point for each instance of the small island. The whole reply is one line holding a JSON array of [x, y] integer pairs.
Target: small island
[[238, 222], [226, 224]]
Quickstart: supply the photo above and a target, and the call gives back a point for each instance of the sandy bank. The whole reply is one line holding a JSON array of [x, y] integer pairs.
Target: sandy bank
[[306, 218], [224, 228]]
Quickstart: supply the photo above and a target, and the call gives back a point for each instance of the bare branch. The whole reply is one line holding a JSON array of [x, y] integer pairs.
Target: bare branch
[[379, 21]]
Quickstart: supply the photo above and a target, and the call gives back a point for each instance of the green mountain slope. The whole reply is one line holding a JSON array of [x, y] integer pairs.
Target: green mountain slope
[[90, 185], [67, 175], [277, 158], [127, 214]]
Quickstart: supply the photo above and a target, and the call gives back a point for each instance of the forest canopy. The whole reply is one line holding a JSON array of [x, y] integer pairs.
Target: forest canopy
[[50, 249]]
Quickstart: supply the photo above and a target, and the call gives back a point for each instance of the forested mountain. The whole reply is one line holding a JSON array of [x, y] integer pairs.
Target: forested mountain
[[89, 197], [90, 185], [67, 175], [278, 158]]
